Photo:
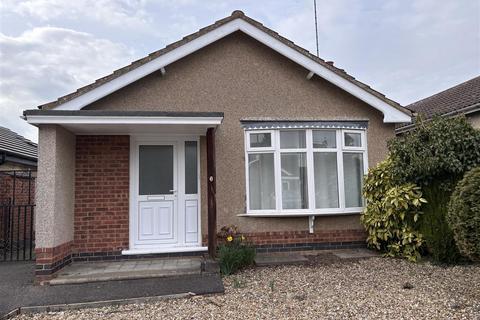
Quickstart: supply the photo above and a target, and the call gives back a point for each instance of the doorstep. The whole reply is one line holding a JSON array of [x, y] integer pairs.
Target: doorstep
[[85, 272]]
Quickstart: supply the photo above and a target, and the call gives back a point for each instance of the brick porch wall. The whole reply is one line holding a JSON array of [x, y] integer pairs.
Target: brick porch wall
[[101, 194]]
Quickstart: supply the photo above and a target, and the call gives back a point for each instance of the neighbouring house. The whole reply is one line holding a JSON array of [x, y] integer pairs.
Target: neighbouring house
[[460, 99], [233, 124], [18, 165], [16, 152]]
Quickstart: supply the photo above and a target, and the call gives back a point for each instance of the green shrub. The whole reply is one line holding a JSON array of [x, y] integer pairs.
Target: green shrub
[[435, 156], [391, 213], [440, 150], [464, 214], [235, 252], [434, 227]]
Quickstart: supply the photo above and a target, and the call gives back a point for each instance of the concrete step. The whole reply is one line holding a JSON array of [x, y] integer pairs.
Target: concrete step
[[86, 272], [277, 259]]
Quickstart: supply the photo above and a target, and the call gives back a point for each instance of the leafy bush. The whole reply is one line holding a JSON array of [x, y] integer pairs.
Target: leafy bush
[[391, 213], [435, 156], [464, 214], [433, 225], [235, 252], [442, 149]]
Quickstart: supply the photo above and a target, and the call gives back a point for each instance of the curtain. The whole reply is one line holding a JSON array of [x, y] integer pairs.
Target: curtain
[[261, 179], [353, 177], [326, 180]]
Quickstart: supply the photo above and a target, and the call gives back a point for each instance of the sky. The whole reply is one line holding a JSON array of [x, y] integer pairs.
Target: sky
[[406, 49]]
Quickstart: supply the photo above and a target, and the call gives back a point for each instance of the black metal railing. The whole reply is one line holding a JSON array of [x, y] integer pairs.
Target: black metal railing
[[17, 215], [17, 239]]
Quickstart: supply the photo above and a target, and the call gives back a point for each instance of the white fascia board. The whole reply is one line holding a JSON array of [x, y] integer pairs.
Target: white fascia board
[[391, 114], [39, 119]]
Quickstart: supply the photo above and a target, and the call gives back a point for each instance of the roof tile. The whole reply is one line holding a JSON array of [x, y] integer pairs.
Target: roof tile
[[15, 144]]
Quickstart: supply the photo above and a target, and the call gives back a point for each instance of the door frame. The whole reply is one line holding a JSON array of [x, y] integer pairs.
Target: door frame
[[179, 141]]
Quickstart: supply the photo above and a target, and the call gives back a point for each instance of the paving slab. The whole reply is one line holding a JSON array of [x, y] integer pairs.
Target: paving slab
[[354, 253], [84, 272], [17, 289], [276, 259]]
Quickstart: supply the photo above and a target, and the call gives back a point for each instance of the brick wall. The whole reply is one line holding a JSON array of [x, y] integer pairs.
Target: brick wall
[[101, 194], [303, 240], [50, 260], [18, 190]]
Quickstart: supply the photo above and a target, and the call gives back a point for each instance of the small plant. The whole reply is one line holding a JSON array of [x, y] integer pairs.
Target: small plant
[[238, 283], [271, 284], [235, 252], [464, 215], [391, 214]]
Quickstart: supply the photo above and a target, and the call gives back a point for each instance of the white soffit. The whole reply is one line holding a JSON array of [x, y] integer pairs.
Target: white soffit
[[94, 125], [391, 114], [104, 120]]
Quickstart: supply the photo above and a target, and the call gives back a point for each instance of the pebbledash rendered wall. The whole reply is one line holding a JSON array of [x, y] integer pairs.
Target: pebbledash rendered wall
[[236, 75], [54, 196], [245, 79]]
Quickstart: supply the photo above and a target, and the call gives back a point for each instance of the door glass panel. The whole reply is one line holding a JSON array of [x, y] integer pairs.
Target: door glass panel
[[155, 170], [353, 176], [261, 181], [294, 181], [191, 183], [324, 139], [292, 139], [326, 180]]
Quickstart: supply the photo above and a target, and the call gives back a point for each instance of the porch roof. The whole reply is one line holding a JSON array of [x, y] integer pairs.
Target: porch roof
[[126, 122]]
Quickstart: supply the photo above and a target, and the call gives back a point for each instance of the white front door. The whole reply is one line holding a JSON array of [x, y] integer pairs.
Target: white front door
[[165, 200]]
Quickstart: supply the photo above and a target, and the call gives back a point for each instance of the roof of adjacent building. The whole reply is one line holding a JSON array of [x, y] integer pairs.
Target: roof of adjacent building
[[16, 145], [235, 15], [456, 99], [462, 98]]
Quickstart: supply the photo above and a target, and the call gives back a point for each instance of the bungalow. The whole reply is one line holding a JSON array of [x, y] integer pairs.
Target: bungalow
[[233, 124]]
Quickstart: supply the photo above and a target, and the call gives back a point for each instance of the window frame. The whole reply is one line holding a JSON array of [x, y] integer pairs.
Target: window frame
[[254, 149], [362, 140], [309, 151]]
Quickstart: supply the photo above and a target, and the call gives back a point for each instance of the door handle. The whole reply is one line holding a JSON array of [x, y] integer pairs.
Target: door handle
[[174, 191]]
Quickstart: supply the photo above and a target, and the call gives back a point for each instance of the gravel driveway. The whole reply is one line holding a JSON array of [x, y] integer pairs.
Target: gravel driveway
[[375, 288]]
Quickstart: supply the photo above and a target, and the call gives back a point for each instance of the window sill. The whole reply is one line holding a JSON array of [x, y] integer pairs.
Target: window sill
[[299, 214]]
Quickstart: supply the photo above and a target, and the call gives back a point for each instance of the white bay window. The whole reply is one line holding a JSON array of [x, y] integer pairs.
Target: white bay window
[[305, 171]]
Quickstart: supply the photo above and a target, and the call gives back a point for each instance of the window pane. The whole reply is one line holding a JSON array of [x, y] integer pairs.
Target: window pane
[[155, 170], [292, 139], [261, 179], [326, 181], [353, 177], [260, 140], [294, 181], [353, 139], [191, 177], [324, 139]]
